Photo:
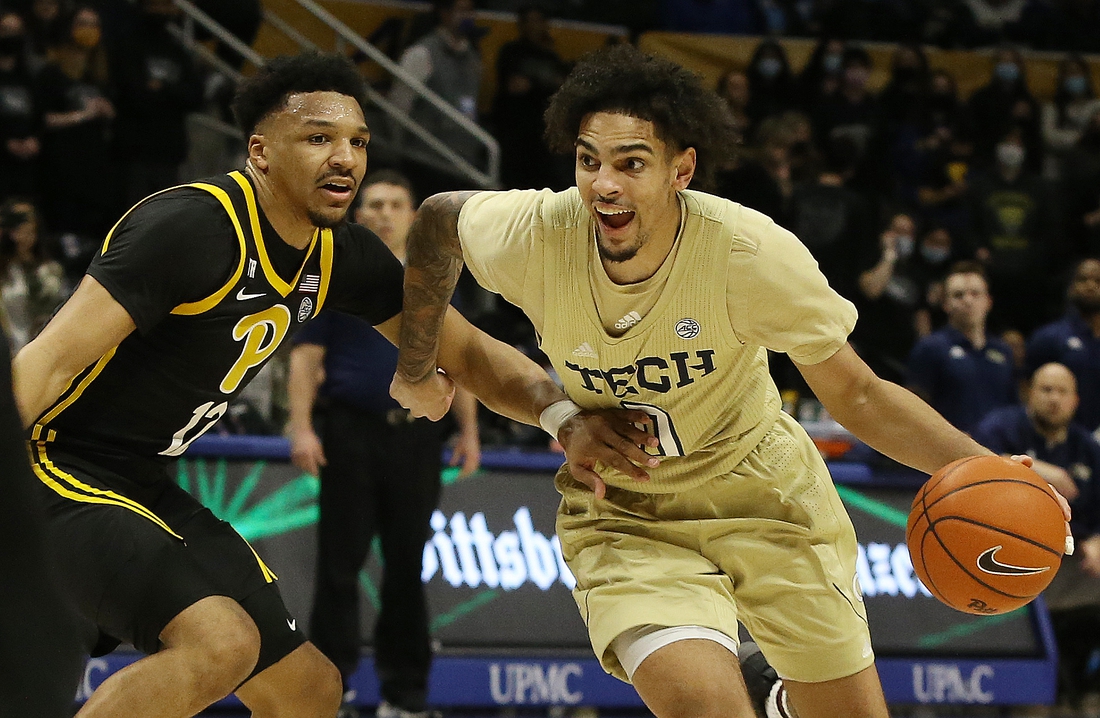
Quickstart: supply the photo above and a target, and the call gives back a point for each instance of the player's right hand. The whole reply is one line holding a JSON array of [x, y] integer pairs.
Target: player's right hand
[[430, 397], [306, 452], [608, 437]]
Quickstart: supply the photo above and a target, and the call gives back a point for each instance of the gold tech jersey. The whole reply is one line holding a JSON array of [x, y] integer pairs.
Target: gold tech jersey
[[168, 383], [692, 352]]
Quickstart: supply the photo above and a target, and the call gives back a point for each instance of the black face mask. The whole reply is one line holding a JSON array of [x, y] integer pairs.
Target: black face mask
[[906, 74], [11, 46]]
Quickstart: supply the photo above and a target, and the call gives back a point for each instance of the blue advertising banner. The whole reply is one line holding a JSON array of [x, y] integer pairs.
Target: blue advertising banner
[[509, 631]]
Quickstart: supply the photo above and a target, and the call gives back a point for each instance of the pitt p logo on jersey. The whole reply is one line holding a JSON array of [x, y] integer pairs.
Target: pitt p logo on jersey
[[262, 333]]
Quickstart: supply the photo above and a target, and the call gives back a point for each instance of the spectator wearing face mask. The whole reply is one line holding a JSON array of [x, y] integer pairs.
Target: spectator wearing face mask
[[1065, 119], [938, 184], [1015, 229], [852, 115], [20, 119], [902, 100], [894, 292], [832, 220], [771, 85], [74, 88], [820, 78], [1004, 103]]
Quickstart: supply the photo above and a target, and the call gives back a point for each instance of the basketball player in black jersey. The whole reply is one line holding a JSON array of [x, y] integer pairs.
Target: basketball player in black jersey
[[191, 293], [40, 656]]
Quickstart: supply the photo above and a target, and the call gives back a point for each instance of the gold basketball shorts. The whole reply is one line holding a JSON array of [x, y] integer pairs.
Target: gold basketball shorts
[[769, 544]]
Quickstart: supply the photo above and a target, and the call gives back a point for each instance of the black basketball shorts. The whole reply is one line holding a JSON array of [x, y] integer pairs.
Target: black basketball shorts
[[132, 560]]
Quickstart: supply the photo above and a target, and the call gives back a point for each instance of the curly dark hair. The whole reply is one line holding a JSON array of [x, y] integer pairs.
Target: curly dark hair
[[267, 90], [624, 80]]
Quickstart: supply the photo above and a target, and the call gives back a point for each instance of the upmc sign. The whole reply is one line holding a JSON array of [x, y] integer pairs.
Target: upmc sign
[[975, 682]]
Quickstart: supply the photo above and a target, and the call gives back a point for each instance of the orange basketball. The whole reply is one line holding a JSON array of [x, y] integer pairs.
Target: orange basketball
[[986, 534]]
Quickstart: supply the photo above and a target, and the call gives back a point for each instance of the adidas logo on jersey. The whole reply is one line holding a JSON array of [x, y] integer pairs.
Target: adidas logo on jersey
[[585, 350], [628, 321]]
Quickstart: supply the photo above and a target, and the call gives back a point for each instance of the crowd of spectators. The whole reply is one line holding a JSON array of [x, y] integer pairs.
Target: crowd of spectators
[[888, 188]]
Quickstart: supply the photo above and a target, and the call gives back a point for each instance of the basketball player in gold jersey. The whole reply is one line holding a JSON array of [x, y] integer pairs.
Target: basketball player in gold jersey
[[652, 297]]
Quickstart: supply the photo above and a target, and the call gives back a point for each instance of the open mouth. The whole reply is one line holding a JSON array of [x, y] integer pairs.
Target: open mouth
[[615, 218], [341, 189]]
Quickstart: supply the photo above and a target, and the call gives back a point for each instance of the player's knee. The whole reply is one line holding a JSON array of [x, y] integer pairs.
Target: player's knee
[[325, 687], [317, 690], [228, 655]]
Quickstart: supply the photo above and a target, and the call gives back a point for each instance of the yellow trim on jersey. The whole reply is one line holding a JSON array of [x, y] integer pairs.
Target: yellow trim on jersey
[[67, 401], [269, 575], [273, 278], [107, 239], [326, 268], [56, 479], [203, 305]]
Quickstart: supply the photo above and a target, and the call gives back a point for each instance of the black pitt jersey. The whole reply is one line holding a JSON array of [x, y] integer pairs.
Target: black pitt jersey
[[198, 269]]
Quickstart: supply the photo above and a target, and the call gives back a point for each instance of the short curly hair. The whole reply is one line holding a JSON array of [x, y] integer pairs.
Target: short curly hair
[[267, 91], [624, 80]]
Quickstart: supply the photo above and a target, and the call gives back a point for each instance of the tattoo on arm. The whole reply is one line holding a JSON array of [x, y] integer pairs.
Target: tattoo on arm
[[434, 257]]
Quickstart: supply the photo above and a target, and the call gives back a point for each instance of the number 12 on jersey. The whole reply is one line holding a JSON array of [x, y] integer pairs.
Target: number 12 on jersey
[[661, 427]]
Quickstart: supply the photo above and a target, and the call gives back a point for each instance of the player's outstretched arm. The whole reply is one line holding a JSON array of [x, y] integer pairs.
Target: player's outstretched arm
[[885, 416], [509, 383], [86, 327], [434, 261], [891, 419]]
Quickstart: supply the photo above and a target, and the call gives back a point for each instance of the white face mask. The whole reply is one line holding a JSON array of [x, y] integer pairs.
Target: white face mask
[[1010, 155], [935, 255], [903, 244]]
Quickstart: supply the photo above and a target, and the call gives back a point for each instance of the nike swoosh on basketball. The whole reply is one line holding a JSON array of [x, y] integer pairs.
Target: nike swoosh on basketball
[[988, 563], [293, 623], [241, 296]]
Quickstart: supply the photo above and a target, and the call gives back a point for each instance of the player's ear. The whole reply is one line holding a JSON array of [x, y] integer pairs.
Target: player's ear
[[685, 168], [257, 152]]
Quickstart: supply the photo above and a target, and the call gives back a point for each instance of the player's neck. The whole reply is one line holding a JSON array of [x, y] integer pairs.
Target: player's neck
[[293, 228]]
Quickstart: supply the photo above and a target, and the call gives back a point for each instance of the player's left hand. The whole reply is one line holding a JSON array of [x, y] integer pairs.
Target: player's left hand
[[467, 450], [1027, 461], [430, 397], [608, 437]]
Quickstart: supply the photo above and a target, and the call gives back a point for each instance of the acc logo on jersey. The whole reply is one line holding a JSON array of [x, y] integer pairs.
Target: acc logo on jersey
[[687, 328], [305, 309]]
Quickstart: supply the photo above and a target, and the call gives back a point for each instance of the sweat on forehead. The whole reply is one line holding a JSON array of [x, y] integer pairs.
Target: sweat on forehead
[[316, 108]]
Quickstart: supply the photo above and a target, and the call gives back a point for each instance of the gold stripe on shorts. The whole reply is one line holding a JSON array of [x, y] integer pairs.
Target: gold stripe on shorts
[[269, 575], [70, 487]]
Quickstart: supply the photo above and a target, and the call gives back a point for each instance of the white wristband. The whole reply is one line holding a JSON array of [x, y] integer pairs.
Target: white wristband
[[553, 416]]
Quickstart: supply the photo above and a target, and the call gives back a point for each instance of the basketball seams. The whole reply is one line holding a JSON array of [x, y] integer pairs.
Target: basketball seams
[[929, 486], [1006, 480], [998, 529]]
